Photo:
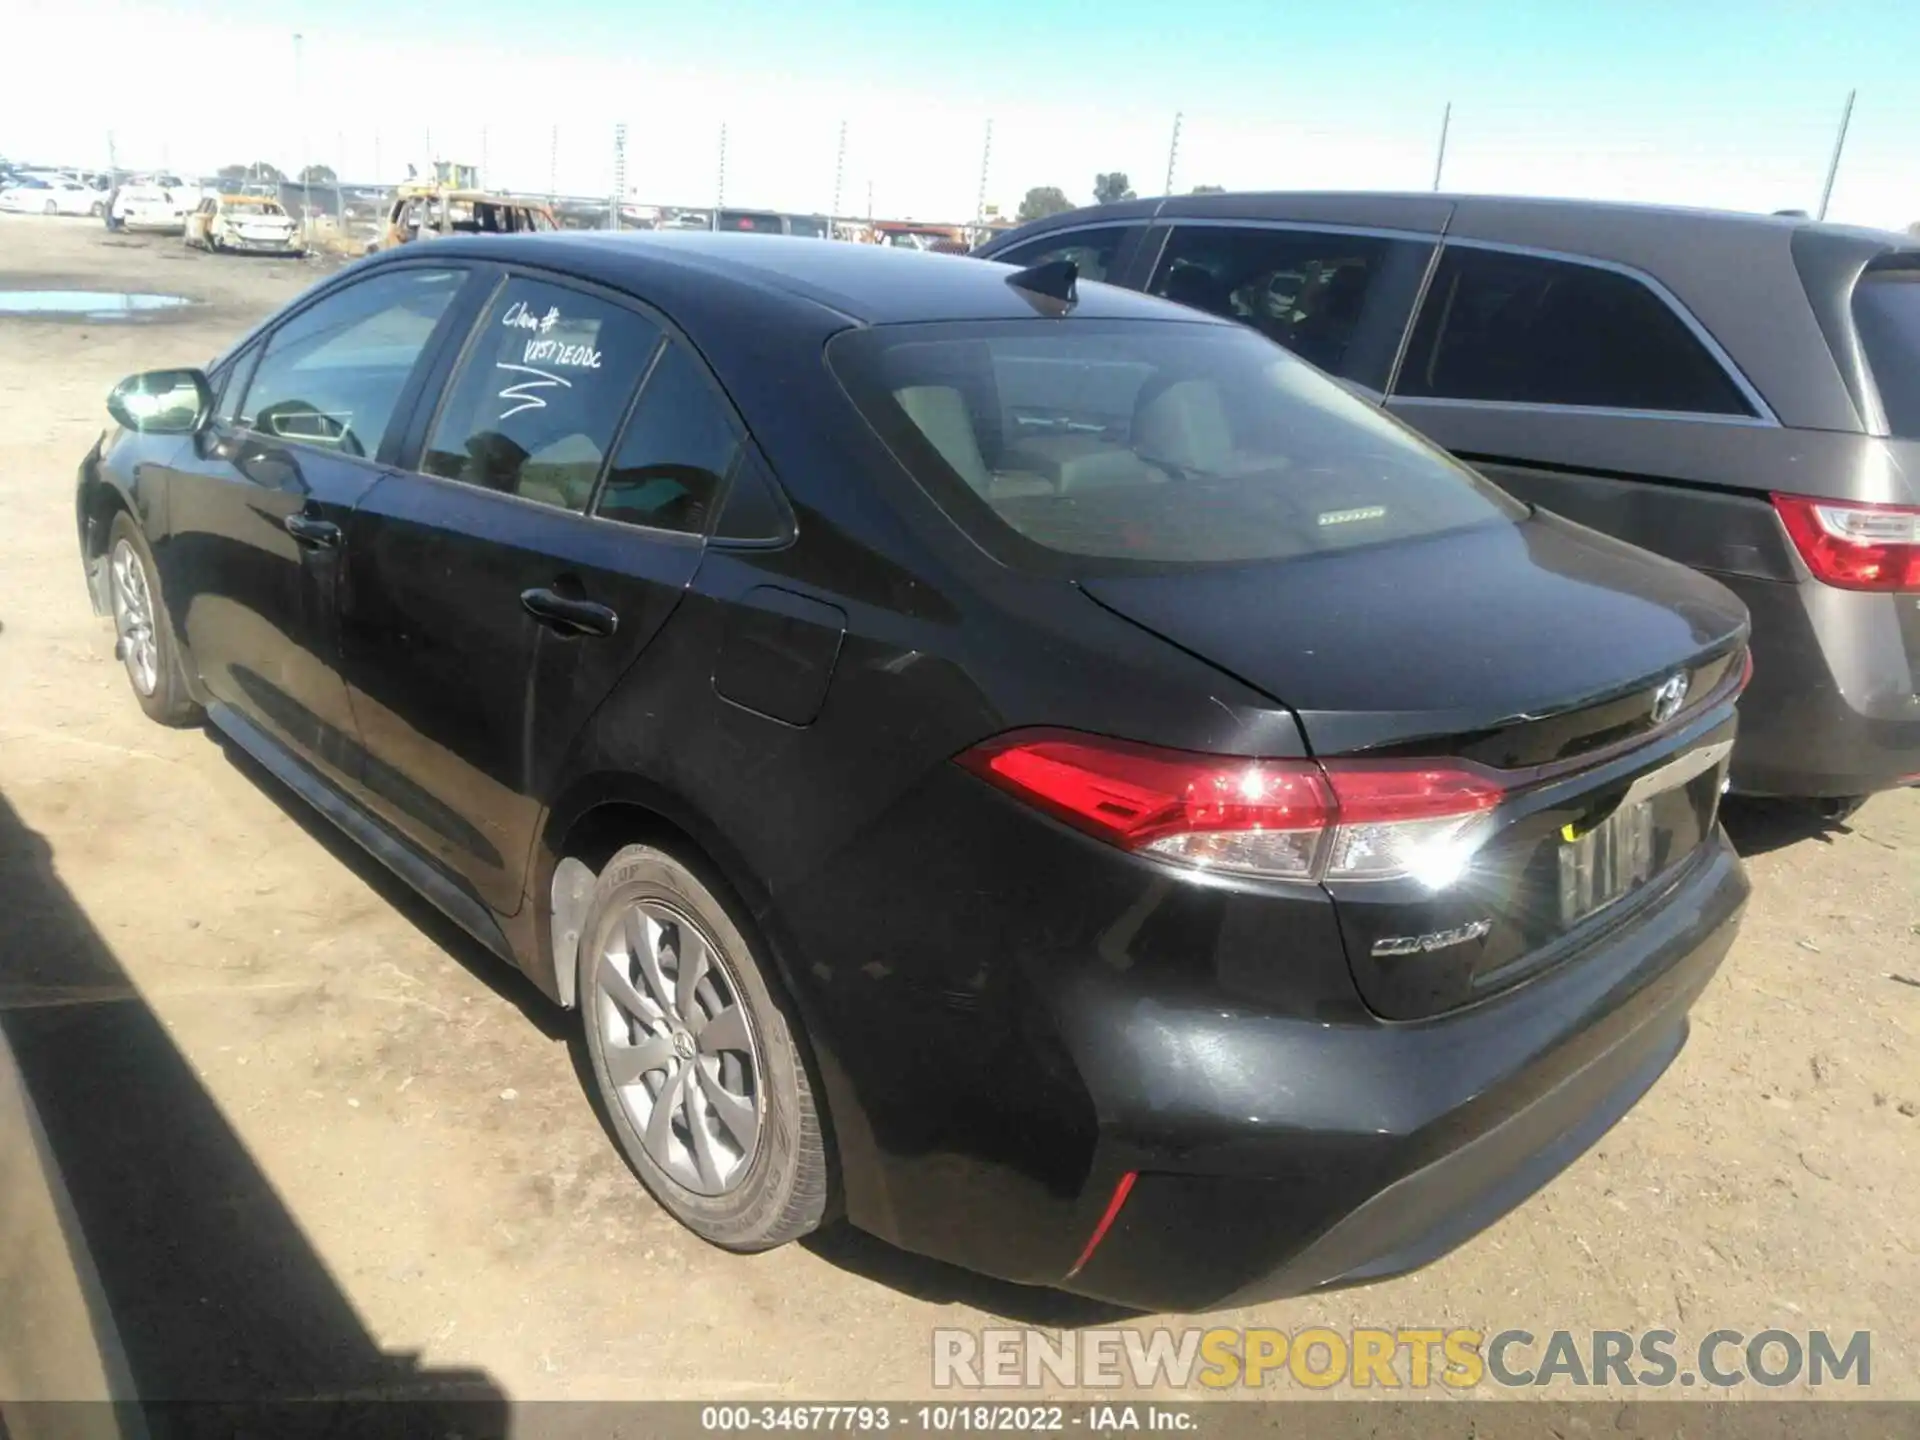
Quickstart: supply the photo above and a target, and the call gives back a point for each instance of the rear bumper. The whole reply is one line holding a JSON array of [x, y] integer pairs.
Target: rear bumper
[[1833, 708], [1010, 1017], [263, 247], [1375, 1149]]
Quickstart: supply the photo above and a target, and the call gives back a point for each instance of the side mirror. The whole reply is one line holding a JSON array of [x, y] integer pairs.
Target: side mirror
[[162, 402]]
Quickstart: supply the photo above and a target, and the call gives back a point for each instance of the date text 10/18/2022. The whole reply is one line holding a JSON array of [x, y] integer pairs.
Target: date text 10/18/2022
[[1094, 1419]]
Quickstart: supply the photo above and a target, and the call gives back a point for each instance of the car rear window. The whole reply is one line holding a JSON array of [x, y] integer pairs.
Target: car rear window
[[1149, 443], [1886, 311]]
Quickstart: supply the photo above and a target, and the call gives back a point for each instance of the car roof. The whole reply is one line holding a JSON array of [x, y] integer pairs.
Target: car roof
[[862, 284], [1770, 289], [1444, 212]]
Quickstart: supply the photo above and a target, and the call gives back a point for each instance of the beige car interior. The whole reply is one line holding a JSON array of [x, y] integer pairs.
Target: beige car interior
[[1179, 427]]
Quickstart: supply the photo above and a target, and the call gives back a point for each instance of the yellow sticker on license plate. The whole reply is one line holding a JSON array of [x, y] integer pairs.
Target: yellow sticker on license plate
[[1607, 862]]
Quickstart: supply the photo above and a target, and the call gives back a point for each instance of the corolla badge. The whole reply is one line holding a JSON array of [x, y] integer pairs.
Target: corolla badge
[[1437, 940], [1669, 697]]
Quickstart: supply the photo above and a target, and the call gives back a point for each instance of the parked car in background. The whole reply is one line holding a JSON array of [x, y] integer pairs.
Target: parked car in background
[[150, 205], [425, 212], [44, 195], [765, 222], [1043, 771], [757, 222], [1738, 392], [245, 223]]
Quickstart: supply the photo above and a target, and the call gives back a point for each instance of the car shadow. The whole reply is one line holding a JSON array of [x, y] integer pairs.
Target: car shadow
[[1759, 826], [496, 974], [141, 1246]]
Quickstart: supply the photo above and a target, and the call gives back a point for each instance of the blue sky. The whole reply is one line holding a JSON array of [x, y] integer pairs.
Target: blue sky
[[1711, 103]]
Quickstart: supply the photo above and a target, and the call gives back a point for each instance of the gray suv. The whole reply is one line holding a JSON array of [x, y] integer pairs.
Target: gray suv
[[1737, 392]]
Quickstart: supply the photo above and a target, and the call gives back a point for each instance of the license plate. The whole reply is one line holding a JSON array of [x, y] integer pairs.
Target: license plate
[[1607, 862]]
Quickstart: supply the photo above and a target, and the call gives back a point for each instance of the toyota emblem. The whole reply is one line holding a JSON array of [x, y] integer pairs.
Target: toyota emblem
[[1669, 697]]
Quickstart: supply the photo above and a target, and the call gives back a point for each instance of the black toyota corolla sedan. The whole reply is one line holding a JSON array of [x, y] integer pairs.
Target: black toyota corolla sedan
[[1041, 773]]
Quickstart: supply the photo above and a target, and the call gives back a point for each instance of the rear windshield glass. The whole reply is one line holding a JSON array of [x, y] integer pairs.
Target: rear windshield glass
[[1886, 309], [1151, 442]]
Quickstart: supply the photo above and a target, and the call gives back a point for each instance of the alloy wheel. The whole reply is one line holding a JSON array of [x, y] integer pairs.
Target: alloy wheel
[[679, 1049], [138, 647]]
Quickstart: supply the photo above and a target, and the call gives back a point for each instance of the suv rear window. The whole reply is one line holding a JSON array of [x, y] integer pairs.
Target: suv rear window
[[1886, 311], [1057, 442]]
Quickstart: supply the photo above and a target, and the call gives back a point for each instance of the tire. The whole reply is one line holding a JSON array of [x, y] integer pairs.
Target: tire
[[143, 633], [97, 211], [53, 207], [743, 1195]]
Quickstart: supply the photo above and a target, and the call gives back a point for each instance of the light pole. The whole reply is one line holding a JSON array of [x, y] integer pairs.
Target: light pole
[[619, 175], [1833, 166], [300, 106], [986, 160], [1173, 151], [839, 174]]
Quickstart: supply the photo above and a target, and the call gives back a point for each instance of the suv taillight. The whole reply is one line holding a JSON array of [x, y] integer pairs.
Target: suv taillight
[[1853, 545], [1279, 819]]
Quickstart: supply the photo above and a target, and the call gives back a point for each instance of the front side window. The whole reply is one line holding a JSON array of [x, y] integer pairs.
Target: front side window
[[1070, 444], [1886, 311], [332, 375], [1095, 252], [1530, 329], [540, 393], [676, 452], [1338, 300]]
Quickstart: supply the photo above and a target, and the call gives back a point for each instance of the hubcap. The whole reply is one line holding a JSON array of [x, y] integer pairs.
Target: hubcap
[[683, 1060], [133, 619]]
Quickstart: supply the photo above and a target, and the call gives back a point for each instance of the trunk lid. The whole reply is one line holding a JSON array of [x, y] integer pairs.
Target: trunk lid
[[1505, 644], [1598, 682]]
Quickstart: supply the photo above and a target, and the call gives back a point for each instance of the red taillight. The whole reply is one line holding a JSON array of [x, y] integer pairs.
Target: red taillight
[[1855, 546], [1283, 819], [1746, 671]]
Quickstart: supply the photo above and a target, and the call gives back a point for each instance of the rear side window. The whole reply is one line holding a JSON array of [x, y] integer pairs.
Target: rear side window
[[546, 379], [1095, 252], [1148, 444], [1886, 311], [676, 452], [1338, 300], [1539, 331]]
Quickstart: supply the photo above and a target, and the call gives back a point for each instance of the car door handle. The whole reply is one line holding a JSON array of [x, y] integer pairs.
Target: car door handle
[[569, 617], [321, 534]]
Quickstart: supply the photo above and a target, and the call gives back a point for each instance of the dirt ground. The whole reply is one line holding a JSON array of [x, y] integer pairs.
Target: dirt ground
[[430, 1180]]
